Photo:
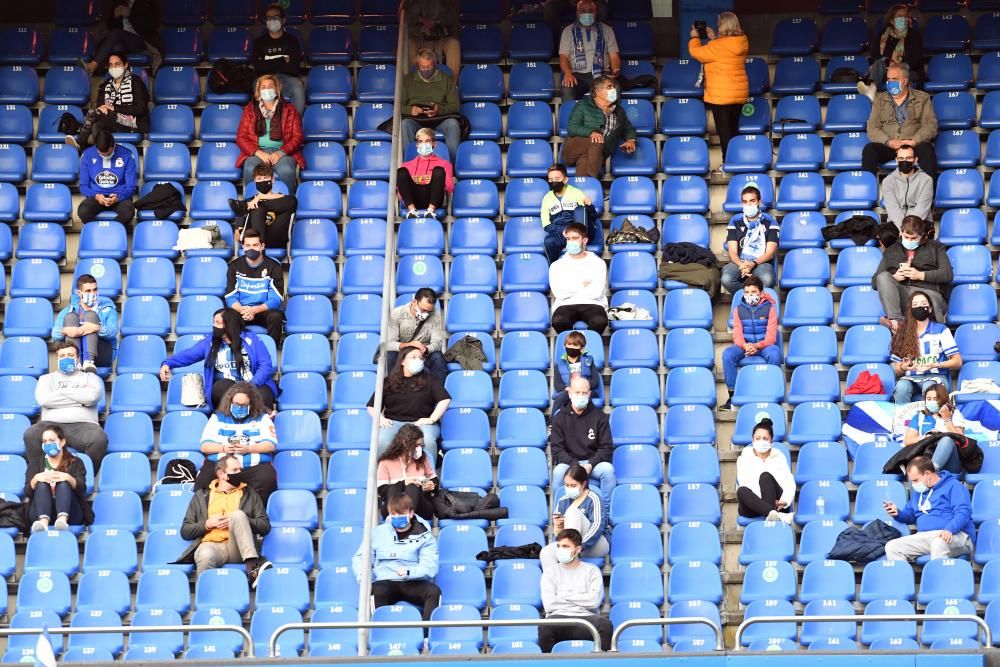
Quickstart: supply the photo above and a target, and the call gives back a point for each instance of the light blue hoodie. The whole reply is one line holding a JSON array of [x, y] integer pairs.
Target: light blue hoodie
[[107, 313], [417, 553]]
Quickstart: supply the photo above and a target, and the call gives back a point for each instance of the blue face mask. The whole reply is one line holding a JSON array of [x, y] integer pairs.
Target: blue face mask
[[900, 23], [910, 244], [424, 150], [894, 88], [51, 449], [239, 411], [586, 20], [580, 402], [573, 247], [750, 211], [67, 365], [399, 522], [572, 492]]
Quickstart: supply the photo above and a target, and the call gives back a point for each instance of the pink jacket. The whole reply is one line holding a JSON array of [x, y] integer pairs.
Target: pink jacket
[[420, 169]]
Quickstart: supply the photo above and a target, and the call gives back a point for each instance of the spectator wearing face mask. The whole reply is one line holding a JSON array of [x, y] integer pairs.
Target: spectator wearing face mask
[[765, 486], [241, 427], [561, 205], [900, 116], [403, 469], [122, 104], [90, 322], [755, 334], [574, 361], [270, 131], [430, 99], [418, 324], [914, 263], [938, 416], [269, 211], [752, 243], [923, 350], [900, 42], [56, 486], [68, 398], [572, 589], [279, 53], [255, 284], [587, 50], [581, 436], [578, 281], [907, 190], [597, 127], [109, 177], [583, 510], [423, 181]]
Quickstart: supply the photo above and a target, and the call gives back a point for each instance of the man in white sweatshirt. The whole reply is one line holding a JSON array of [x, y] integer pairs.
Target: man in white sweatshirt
[[907, 190], [578, 281], [69, 397], [573, 589]]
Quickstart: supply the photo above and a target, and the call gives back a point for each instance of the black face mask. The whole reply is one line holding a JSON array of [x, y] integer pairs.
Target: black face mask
[[253, 254], [217, 332], [236, 478], [573, 352], [556, 186], [905, 166], [264, 187], [920, 313]]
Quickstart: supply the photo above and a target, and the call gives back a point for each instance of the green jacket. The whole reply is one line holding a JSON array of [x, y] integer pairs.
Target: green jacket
[[587, 117], [439, 90]]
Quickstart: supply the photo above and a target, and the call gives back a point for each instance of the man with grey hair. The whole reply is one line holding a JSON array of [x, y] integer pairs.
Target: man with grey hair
[[430, 99], [587, 49], [900, 116]]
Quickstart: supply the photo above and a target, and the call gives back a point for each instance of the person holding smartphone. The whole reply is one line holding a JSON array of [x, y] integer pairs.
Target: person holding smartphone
[[430, 99], [404, 469], [583, 510], [924, 351], [940, 416]]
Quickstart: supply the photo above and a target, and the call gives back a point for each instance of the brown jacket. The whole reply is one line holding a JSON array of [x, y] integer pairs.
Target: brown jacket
[[920, 126]]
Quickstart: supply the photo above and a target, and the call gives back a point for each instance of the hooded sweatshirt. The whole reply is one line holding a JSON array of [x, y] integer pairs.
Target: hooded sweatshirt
[[580, 437], [903, 196], [415, 551], [944, 506], [566, 276], [107, 313]]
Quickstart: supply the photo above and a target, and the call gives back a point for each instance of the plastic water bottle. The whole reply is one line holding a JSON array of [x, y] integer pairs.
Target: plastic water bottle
[[821, 505]]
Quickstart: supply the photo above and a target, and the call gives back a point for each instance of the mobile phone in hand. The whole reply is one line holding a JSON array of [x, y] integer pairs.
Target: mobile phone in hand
[[702, 28]]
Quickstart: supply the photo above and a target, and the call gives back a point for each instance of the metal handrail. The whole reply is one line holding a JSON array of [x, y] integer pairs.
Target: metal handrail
[[129, 629], [487, 623], [388, 298], [860, 618], [692, 620]]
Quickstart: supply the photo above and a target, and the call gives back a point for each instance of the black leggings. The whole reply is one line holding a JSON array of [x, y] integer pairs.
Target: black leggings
[[220, 387], [421, 195], [752, 505], [727, 122], [95, 120], [279, 211]]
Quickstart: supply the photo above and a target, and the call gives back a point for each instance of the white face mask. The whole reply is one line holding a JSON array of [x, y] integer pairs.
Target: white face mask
[[273, 25], [761, 445], [116, 72], [752, 299], [418, 453], [750, 210], [573, 492], [268, 94], [612, 95], [564, 555]]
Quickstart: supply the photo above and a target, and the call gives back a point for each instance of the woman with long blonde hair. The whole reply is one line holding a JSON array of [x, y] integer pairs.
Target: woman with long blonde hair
[[270, 131]]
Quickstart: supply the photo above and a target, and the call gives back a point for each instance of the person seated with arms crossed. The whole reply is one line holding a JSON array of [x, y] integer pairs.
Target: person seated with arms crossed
[[900, 116], [755, 334], [57, 485], [572, 589], [578, 281], [404, 559], [907, 190], [269, 212], [403, 468], [68, 398], [561, 205], [752, 244], [422, 182], [575, 361], [242, 427], [765, 486], [279, 53], [914, 264], [597, 126], [586, 51], [223, 523], [939, 416], [940, 506], [430, 100], [254, 287], [418, 325], [108, 178], [582, 510], [921, 349], [89, 322], [581, 436]]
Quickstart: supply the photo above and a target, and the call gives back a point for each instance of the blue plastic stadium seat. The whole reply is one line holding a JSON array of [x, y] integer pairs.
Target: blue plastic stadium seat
[[688, 385], [801, 191], [203, 275], [14, 163], [679, 78], [217, 160], [793, 37], [42, 240], [959, 188], [946, 33], [17, 124], [811, 345], [481, 43], [364, 198], [230, 43], [847, 113], [795, 75], [218, 122], [972, 264], [177, 85], [688, 347], [481, 83], [641, 114], [949, 71], [328, 122], [209, 200], [527, 158], [686, 424], [857, 63], [331, 45], [814, 382], [182, 46], [796, 152], [845, 151], [973, 341], [805, 267], [844, 35], [682, 155], [523, 197], [44, 202], [955, 110], [331, 84], [322, 199], [856, 266], [970, 303], [682, 116], [736, 185], [530, 42], [684, 194], [35, 277], [377, 43]]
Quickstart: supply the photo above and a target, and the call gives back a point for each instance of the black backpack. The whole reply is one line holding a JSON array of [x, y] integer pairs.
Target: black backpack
[[230, 77]]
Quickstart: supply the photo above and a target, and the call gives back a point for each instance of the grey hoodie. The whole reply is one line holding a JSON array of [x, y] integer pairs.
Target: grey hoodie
[[69, 399], [907, 196]]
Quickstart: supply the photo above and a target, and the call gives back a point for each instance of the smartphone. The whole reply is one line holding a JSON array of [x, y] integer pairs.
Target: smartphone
[[701, 27], [426, 107]]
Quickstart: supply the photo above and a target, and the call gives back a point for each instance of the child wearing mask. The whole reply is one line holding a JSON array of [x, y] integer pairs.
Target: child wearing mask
[[755, 334], [574, 361]]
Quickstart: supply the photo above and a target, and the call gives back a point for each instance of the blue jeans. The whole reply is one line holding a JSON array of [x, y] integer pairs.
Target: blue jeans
[[285, 170], [733, 358], [905, 386], [64, 501], [431, 434], [945, 456], [292, 89], [603, 474], [449, 127], [733, 283]]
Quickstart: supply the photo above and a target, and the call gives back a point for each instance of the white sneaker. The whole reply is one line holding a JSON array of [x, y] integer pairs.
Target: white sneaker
[[88, 366], [61, 524], [868, 90], [774, 515], [39, 526], [786, 517]]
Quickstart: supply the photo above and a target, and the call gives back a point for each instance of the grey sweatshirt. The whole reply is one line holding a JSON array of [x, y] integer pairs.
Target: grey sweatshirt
[[572, 591], [907, 196], [69, 399]]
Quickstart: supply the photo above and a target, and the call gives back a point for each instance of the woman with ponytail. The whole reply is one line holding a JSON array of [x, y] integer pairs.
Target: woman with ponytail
[[765, 486]]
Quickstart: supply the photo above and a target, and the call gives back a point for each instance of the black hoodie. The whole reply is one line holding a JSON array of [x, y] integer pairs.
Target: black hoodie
[[580, 437]]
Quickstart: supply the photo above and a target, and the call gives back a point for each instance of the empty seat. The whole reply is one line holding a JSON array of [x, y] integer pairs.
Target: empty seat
[[796, 36], [949, 71], [948, 32], [971, 303], [682, 116], [795, 75], [679, 78]]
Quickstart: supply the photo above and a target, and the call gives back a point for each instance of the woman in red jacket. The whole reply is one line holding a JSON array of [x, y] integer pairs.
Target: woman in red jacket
[[270, 131]]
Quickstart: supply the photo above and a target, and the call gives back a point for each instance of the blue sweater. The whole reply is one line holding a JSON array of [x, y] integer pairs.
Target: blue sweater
[[253, 348], [118, 175], [949, 508]]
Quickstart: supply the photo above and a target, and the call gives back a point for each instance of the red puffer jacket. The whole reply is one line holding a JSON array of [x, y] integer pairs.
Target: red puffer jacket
[[252, 123]]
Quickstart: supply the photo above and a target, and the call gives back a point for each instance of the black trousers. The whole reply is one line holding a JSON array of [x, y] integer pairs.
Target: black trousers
[[272, 218], [421, 500], [875, 154], [727, 122], [95, 120], [262, 478], [421, 196], [424, 594], [220, 387], [564, 317], [752, 505], [273, 321], [89, 209], [550, 635]]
